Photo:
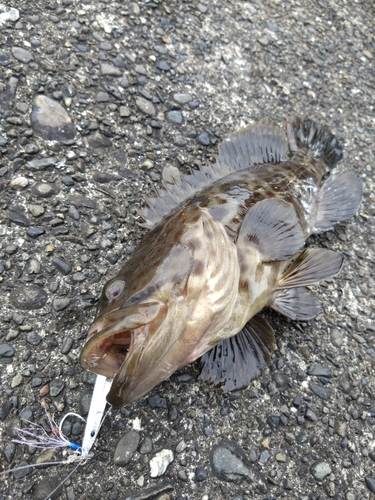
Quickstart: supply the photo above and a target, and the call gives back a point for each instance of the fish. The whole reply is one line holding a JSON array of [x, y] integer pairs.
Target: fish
[[225, 242]]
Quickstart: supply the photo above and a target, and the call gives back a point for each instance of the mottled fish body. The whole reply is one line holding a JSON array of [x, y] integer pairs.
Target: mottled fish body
[[224, 242]]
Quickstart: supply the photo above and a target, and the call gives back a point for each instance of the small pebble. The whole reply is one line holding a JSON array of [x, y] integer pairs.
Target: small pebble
[[126, 447], [322, 392], [146, 446], [9, 451], [337, 337], [59, 304], [155, 401], [45, 189], [5, 408], [264, 457], [62, 266], [320, 470], [16, 380], [36, 382], [42, 163], [43, 488], [229, 462], [320, 371], [180, 141], [36, 210], [56, 386], [145, 106], [67, 345], [31, 149], [370, 483], [34, 231], [200, 474], [22, 55], [101, 177], [175, 116], [22, 470], [19, 183], [109, 70], [28, 297], [33, 338], [50, 121], [124, 111], [19, 218], [159, 463], [204, 139], [182, 98], [163, 65], [84, 402], [6, 351], [27, 414], [281, 457]]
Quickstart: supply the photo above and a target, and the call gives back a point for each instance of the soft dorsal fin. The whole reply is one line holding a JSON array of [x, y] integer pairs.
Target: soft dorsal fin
[[264, 142], [261, 143], [272, 227], [306, 135], [233, 363]]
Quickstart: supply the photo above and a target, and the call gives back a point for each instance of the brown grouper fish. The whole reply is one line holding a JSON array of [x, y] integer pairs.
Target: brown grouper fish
[[225, 242]]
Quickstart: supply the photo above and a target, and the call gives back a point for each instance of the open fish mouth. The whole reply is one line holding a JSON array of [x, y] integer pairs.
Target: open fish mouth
[[108, 355], [113, 339]]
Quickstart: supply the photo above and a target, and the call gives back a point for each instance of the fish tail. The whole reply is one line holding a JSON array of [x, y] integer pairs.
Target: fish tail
[[317, 141]]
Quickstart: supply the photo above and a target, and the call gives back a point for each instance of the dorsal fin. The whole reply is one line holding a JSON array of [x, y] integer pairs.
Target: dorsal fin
[[262, 143], [306, 135]]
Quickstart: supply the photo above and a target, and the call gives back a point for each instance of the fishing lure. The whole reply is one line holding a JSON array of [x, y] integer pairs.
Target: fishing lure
[[36, 436]]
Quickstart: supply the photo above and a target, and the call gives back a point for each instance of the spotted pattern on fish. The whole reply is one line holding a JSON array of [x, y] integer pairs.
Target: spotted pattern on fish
[[225, 242]]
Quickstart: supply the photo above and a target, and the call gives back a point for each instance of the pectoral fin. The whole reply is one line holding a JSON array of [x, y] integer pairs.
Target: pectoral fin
[[272, 227], [233, 363], [311, 266], [296, 303], [338, 200]]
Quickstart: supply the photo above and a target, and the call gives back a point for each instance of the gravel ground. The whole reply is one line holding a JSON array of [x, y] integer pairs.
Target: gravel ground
[[140, 86]]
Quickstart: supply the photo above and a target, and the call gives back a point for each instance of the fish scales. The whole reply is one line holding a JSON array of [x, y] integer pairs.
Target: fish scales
[[228, 200], [224, 243]]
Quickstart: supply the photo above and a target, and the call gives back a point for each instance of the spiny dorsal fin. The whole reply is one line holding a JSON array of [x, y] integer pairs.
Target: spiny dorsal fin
[[177, 188], [261, 143], [233, 363]]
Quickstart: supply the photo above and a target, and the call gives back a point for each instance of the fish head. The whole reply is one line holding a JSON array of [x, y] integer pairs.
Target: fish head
[[133, 323], [163, 309]]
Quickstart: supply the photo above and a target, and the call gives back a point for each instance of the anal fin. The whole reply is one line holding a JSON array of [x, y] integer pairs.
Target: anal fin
[[338, 200], [233, 363], [296, 303]]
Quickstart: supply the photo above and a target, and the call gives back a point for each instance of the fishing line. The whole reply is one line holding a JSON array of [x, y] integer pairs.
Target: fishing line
[[63, 481], [36, 436]]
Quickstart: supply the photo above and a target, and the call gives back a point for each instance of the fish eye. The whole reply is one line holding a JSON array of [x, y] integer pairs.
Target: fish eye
[[114, 289]]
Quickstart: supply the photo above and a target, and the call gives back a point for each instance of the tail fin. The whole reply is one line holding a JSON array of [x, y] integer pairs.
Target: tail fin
[[305, 134]]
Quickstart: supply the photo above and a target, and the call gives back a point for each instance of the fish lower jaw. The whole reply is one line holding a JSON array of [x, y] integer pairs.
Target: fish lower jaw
[[109, 354]]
